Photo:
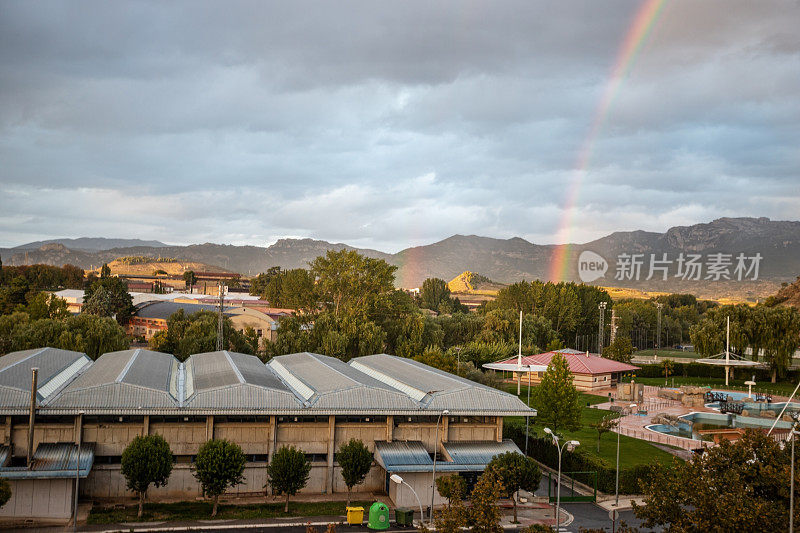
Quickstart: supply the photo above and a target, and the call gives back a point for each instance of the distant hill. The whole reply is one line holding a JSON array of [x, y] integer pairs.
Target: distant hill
[[470, 282], [92, 244], [507, 260], [789, 295]]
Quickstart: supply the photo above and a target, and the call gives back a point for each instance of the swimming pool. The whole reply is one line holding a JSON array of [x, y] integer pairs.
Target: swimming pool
[[754, 407], [689, 425]]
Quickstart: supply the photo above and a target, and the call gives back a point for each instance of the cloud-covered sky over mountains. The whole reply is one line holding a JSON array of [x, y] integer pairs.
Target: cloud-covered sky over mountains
[[389, 124]]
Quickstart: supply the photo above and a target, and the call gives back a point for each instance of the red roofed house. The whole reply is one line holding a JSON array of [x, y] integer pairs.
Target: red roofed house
[[590, 371]]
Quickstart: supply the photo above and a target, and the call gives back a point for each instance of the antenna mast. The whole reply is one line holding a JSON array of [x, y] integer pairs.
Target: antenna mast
[[219, 321]]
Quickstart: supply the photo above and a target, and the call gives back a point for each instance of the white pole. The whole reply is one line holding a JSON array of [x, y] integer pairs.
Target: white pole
[[727, 351], [519, 357]]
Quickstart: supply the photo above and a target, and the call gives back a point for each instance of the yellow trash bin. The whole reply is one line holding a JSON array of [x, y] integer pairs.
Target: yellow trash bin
[[355, 515]]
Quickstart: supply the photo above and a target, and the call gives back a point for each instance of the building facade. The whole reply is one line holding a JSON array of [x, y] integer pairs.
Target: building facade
[[310, 401]]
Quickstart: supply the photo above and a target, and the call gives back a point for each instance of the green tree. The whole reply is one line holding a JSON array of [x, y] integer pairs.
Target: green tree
[[108, 297], [258, 284], [620, 350], [355, 460], [667, 366], [190, 279], [434, 293], [556, 398], [349, 282], [731, 487], [452, 518], [90, 334], [219, 464], [105, 271], [197, 333], [147, 460], [292, 289], [288, 472], [47, 305], [451, 487], [5, 492], [516, 472], [484, 512], [604, 425]]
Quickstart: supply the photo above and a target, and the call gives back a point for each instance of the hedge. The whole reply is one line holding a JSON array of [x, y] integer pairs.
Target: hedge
[[543, 450], [697, 370]]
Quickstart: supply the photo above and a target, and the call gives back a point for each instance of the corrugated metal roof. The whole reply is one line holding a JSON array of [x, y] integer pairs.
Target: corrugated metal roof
[[235, 381], [54, 460], [411, 456], [330, 383], [478, 452], [442, 389], [53, 363], [126, 379], [401, 453], [163, 310]]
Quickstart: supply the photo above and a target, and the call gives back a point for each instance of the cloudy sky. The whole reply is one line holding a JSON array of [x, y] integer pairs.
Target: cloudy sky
[[389, 124]]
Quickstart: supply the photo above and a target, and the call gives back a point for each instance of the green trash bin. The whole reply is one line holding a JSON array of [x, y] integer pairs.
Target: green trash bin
[[378, 516], [403, 516]]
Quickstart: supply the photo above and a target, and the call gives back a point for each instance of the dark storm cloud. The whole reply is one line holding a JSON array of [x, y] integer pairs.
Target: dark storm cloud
[[389, 124]]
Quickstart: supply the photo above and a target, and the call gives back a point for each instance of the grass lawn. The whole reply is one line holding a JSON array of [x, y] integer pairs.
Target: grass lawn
[[632, 451], [194, 510], [781, 388], [666, 352]]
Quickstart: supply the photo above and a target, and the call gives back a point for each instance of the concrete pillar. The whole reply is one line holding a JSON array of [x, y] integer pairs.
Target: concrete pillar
[[78, 430], [7, 434], [273, 437], [499, 421], [331, 451], [445, 427], [146, 426], [209, 427], [389, 428]]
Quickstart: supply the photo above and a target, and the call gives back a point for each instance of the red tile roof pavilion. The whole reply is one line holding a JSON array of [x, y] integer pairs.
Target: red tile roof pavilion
[[579, 362]]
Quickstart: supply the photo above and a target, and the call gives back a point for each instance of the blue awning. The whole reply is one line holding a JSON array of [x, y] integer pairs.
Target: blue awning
[[52, 461], [411, 456]]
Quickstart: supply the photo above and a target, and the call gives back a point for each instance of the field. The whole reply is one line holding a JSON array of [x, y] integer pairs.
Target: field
[[194, 510], [632, 451], [171, 267]]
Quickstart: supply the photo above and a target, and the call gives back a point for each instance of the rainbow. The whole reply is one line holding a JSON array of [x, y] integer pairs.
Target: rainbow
[[637, 35]]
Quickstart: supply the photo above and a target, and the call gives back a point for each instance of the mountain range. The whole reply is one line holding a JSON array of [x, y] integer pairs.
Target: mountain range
[[502, 260]]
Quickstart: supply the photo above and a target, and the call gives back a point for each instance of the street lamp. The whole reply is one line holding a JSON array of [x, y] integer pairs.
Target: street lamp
[[77, 470], [527, 418], [616, 489], [397, 479], [601, 327], [792, 434], [435, 449], [569, 445]]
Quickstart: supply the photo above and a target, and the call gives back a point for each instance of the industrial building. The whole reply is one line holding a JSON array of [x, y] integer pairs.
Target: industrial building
[[404, 411]]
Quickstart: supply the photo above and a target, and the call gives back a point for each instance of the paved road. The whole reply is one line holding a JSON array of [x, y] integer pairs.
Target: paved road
[[589, 515]]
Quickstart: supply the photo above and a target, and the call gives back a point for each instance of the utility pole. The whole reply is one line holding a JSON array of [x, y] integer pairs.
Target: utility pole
[[601, 329], [658, 330], [613, 326], [219, 321]]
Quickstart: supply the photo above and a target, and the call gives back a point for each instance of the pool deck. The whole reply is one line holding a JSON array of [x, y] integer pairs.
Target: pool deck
[[633, 425]]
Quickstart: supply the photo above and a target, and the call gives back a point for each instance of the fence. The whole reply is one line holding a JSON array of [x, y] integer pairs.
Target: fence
[[661, 438]]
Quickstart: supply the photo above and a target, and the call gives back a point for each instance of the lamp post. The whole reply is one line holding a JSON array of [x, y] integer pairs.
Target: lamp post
[[569, 445], [792, 434], [77, 471], [397, 479], [616, 484], [601, 327], [527, 418], [435, 450]]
